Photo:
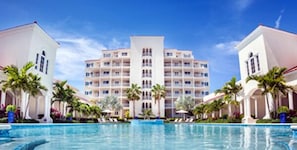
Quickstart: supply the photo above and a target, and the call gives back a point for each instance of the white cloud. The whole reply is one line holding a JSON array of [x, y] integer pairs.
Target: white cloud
[[71, 55], [227, 47], [114, 44], [242, 4], [278, 20]]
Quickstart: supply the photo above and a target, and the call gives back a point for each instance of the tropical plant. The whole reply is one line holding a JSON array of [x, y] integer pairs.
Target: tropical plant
[[273, 82], [230, 90], [84, 109], [199, 110], [19, 81], [185, 103], [282, 109], [110, 103], [16, 80], [63, 93], [95, 111], [133, 94], [158, 92], [147, 113], [35, 87], [216, 106], [10, 108]]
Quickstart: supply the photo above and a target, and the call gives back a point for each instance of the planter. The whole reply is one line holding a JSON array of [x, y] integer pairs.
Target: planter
[[10, 115], [283, 117]]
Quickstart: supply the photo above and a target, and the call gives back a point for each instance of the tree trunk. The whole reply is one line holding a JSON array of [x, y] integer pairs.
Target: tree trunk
[[159, 109], [133, 109], [267, 103]]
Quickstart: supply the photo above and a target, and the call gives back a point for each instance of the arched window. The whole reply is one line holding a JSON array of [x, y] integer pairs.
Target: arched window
[[252, 64]]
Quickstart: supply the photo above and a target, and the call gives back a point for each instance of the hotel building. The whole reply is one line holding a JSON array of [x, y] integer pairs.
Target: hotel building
[[147, 63], [258, 53]]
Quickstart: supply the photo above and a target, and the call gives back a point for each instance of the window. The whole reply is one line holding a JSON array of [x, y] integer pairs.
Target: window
[[253, 64], [176, 92], [36, 61], [89, 65], [46, 67], [106, 82], [87, 74], [124, 54], [41, 64], [258, 63], [203, 65], [105, 91], [116, 92], [187, 64], [187, 73], [169, 54], [205, 74], [176, 82], [106, 73], [106, 55], [187, 92], [106, 63], [187, 82]]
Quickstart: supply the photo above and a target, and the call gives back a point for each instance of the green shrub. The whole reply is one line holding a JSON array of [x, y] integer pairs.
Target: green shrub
[[3, 120], [294, 119], [26, 121], [282, 109], [264, 121]]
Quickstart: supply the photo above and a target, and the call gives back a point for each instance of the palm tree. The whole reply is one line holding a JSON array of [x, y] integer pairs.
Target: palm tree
[[272, 82], [17, 80], [158, 92], [216, 105], [62, 93], [230, 91], [199, 110], [95, 110], [84, 109], [34, 88], [133, 94]]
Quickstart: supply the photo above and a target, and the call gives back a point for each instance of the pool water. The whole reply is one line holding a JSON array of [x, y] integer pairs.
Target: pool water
[[161, 137]]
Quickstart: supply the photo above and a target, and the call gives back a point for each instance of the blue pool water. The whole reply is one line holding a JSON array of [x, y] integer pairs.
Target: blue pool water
[[161, 137]]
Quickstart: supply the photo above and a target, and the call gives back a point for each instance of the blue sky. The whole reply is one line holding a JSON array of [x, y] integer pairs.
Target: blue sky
[[210, 28]]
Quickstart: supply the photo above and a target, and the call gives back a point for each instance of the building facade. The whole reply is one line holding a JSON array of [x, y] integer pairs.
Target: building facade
[[258, 53], [18, 46], [147, 63]]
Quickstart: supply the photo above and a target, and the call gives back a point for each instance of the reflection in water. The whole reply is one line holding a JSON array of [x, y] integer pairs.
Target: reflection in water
[[168, 136]]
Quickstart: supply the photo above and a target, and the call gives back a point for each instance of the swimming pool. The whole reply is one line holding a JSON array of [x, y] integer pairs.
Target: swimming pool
[[167, 136]]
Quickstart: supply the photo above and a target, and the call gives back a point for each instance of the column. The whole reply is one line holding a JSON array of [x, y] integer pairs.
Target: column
[[267, 111], [247, 110], [290, 97], [256, 108], [36, 106], [220, 115], [248, 107], [240, 107], [47, 108], [3, 98]]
